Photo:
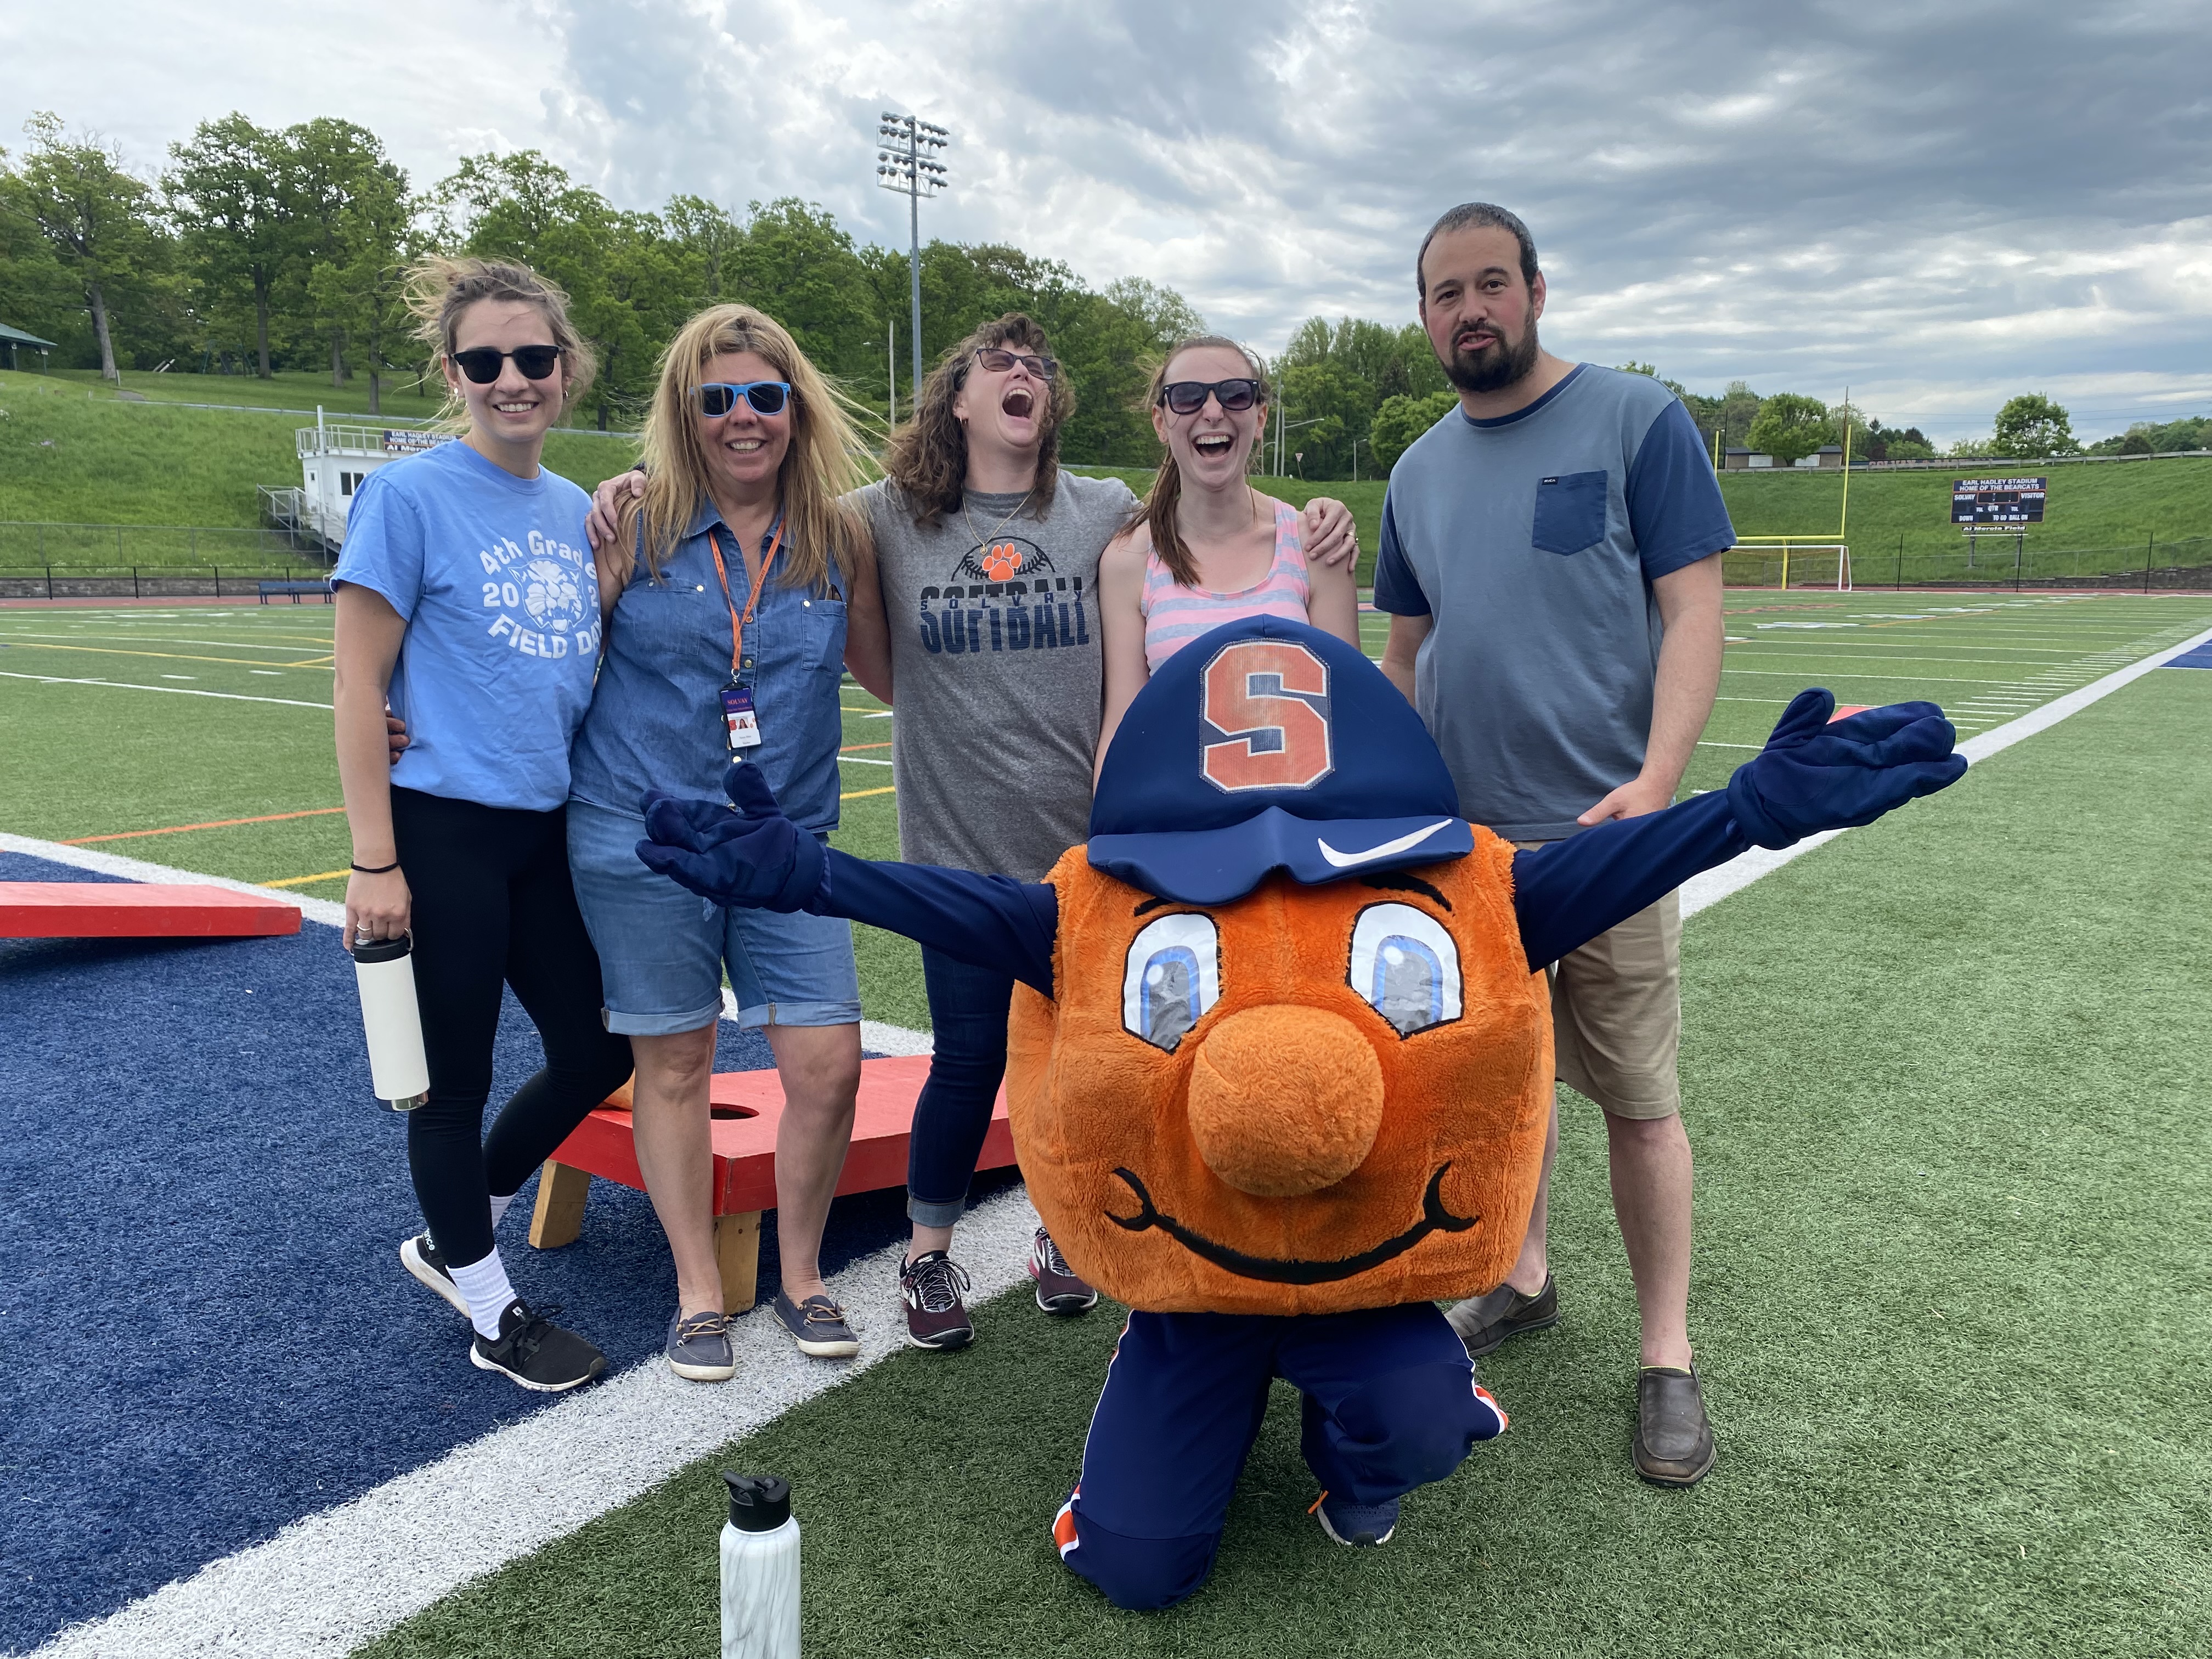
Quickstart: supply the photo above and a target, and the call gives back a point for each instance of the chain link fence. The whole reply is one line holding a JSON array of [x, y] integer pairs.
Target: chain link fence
[[2154, 565]]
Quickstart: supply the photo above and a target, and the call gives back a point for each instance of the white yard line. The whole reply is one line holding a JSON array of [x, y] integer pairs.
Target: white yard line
[[175, 691], [327, 1583], [1702, 892]]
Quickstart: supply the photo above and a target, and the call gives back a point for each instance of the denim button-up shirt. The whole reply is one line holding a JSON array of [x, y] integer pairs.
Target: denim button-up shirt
[[656, 717]]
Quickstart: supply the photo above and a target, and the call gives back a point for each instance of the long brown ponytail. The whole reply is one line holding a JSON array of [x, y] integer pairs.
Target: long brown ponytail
[[1157, 512]]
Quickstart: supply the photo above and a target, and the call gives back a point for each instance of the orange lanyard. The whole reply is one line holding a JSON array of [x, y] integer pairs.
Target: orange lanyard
[[739, 624]]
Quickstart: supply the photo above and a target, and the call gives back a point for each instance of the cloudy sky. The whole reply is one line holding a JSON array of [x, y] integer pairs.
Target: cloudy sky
[[1937, 206]]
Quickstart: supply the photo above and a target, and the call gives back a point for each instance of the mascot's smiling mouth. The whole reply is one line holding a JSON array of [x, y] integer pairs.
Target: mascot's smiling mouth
[[1435, 1218]]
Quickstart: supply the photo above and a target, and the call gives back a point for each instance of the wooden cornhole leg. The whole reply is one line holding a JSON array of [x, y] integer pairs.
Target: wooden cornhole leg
[[559, 1216], [736, 1253]]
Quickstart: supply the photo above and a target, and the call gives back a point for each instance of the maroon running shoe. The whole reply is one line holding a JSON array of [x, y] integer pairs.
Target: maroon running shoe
[[1058, 1289], [936, 1317]]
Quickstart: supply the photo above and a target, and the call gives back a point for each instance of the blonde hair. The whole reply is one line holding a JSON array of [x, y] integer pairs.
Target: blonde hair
[[928, 457], [821, 467], [441, 290], [1157, 512]]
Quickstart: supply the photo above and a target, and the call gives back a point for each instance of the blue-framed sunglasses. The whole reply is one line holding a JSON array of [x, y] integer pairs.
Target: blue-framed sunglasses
[[767, 397]]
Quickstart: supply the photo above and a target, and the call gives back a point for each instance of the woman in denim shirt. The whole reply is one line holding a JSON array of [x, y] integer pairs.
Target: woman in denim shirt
[[735, 598]]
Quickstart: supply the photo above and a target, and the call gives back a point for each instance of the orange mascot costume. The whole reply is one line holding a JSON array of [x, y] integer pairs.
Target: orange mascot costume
[[1280, 1059]]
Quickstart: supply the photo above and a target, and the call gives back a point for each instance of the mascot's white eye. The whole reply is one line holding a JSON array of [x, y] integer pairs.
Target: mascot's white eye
[[1406, 967], [1172, 976]]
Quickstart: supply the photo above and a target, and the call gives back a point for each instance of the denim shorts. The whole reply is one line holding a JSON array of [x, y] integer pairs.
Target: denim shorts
[[662, 949]]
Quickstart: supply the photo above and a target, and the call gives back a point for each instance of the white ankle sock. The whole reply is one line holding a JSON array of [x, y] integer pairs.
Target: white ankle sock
[[485, 1284], [499, 1208]]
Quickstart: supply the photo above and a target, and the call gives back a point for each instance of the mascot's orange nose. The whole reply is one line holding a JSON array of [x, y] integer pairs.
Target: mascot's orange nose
[[1285, 1100]]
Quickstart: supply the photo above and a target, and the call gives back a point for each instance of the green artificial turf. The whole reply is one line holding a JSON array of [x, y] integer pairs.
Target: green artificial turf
[[1953, 1301]]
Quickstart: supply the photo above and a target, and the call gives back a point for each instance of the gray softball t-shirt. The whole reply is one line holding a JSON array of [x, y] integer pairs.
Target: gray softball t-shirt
[[997, 675], [1532, 541]]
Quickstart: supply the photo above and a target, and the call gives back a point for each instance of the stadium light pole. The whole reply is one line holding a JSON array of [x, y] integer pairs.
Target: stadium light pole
[[905, 163]]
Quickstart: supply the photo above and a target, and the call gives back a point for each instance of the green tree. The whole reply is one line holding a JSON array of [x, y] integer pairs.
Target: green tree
[[2031, 427], [350, 208], [98, 218], [705, 235], [1398, 421], [1790, 427], [1164, 314], [228, 190], [357, 288]]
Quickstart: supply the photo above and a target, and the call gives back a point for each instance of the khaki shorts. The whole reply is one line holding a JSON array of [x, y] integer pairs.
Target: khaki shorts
[[1617, 1014]]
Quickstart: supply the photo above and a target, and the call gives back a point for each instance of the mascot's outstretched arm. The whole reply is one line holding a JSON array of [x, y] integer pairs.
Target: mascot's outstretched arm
[[1813, 775]]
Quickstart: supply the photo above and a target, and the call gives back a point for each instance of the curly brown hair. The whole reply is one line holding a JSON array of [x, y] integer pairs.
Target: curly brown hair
[[927, 456]]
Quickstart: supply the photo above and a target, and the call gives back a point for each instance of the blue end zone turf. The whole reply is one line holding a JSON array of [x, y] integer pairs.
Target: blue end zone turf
[[2200, 657], [208, 1331]]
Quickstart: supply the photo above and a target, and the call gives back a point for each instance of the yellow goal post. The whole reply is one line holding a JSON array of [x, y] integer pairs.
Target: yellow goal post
[[1823, 545]]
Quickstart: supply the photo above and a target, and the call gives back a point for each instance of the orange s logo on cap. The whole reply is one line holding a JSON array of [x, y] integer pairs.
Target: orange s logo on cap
[[1256, 695]]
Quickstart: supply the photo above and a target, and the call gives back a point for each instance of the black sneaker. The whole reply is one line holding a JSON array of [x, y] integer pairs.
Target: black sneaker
[[419, 1256], [1360, 1525], [936, 1317], [536, 1352], [1058, 1289]]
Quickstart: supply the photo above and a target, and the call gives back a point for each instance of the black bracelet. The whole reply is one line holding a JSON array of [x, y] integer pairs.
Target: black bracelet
[[380, 870]]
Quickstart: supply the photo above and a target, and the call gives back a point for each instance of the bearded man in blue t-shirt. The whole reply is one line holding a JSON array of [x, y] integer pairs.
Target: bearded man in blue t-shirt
[[1550, 564]]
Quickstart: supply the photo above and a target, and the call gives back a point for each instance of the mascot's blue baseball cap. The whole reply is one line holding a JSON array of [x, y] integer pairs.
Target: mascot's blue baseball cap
[[1268, 745]]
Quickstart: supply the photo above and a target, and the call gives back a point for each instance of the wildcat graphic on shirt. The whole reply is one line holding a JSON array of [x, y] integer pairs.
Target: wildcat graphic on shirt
[[540, 595], [1003, 596]]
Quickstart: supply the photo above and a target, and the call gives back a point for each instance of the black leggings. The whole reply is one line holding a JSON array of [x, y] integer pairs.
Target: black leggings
[[493, 901]]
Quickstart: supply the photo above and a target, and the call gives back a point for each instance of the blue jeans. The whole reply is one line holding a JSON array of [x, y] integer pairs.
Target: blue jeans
[[968, 1011]]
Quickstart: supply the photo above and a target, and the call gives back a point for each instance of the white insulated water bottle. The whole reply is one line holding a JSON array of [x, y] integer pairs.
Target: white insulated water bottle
[[760, 1569], [384, 972]]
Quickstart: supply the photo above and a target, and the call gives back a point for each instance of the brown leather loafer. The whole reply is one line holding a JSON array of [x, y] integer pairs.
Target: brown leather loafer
[[1674, 1440], [1484, 1322]]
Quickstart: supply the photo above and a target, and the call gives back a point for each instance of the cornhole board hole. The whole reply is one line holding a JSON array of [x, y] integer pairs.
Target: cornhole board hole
[[748, 1106], [130, 909]]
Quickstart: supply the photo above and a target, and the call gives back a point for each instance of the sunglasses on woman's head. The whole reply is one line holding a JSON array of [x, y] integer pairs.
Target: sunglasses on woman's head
[[767, 397], [999, 360], [482, 364], [1189, 397]]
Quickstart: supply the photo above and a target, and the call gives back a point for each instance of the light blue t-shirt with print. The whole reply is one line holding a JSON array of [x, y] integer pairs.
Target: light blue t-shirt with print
[[1531, 542], [493, 575]]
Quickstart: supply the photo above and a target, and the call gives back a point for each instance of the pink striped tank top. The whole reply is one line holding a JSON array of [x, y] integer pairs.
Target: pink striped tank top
[[1175, 616]]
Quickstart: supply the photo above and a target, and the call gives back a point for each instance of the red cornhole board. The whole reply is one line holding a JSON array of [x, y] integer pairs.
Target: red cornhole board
[[130, 909], [748, 1106]]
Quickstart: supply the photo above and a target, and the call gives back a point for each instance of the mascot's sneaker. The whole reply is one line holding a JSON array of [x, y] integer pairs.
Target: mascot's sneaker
[[1363, 1525], [698, 1348], [936, 1317], [819, 1325], [1484, 1322], [419, 1256], [1058, 1289], [536, 1354], [1674, 1440]]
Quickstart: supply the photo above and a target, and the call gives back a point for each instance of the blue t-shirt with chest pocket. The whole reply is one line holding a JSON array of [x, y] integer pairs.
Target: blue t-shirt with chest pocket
[[1532, 541]]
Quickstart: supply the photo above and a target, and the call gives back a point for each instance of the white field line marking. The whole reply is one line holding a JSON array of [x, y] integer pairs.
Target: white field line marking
[[1701, 892], [330, 1582], [174, 690], [327, 911]]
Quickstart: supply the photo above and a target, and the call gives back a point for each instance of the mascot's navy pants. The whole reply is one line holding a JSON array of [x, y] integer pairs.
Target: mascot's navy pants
[[1390, 1404]]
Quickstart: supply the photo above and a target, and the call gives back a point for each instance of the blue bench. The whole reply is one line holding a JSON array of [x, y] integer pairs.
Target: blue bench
[[295, 589]]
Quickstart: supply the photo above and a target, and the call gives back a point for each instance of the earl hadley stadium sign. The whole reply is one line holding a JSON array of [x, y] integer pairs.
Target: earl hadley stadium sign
[[1997, 500]]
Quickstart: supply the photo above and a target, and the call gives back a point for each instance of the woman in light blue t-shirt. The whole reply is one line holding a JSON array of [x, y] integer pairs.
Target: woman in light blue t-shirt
[[466, 595], [738, 592]]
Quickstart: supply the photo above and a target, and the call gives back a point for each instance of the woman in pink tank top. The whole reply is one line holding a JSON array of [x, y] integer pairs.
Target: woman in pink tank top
[[1204, 548]]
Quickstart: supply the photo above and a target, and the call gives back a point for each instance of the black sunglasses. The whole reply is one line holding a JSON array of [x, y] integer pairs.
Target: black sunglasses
[[999, 360], [482, 364], [721, 396], [1189, 397]]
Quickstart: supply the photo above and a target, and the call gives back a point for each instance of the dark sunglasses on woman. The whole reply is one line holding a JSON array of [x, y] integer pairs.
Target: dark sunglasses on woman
[[1189, 397], [767, 397], [482, 364], [999, 360]]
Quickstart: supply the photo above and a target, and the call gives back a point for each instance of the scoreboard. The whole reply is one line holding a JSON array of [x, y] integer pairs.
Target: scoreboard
[[1997, 500]]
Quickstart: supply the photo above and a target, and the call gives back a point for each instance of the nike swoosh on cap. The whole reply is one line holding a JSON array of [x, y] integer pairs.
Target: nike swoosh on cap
[[1346, 861]]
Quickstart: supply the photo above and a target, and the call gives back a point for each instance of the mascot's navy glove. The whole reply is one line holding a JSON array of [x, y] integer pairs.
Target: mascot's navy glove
[[1814, 776], [747, 854]]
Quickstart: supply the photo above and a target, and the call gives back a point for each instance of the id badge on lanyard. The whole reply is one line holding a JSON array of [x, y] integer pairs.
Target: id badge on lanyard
[[740, 719]]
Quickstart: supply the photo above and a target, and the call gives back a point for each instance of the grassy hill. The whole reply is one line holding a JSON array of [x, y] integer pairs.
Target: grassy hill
[[71, 452]]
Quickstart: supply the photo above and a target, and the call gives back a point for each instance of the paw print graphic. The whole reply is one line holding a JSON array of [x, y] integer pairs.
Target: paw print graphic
[[1002, 560]]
